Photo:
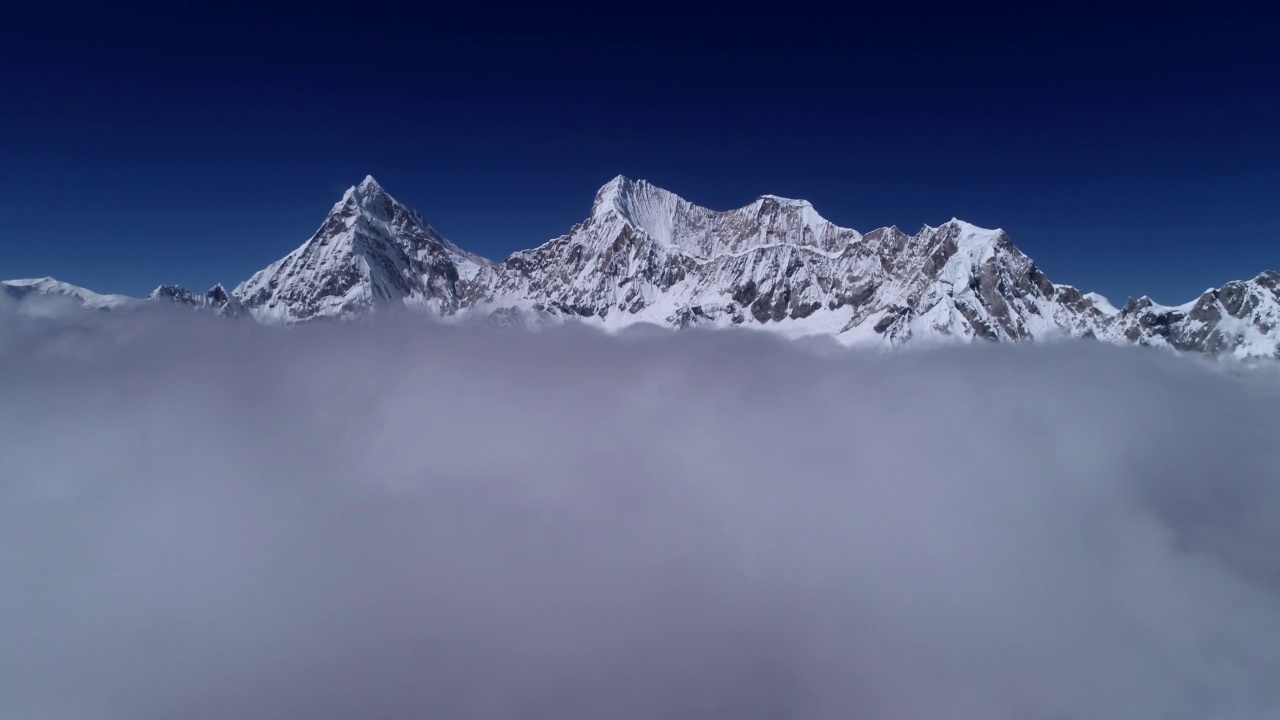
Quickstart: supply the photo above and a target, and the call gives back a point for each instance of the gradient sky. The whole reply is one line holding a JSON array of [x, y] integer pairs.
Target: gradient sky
[[1127, 152]]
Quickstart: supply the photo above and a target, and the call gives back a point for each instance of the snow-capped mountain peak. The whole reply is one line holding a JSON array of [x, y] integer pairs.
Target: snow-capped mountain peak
[[638, 203], [967, 228], [609, 193], [783, 201], [373, 199], [215, 299], [367, 202], [677, 225], [370, 251], [645, 255]]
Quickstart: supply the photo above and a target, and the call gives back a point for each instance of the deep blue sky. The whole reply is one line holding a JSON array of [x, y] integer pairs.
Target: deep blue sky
[[1128, 151]]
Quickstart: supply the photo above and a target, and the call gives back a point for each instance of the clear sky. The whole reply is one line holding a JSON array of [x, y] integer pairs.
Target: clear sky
[[1129, 152]]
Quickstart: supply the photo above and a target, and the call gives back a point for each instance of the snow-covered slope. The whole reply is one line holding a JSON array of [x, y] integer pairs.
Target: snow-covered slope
[[47, 290], [370, 252], [47, 296], [646, 255]]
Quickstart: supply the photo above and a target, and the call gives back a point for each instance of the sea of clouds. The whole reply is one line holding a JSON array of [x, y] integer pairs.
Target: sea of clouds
[[393, 519]]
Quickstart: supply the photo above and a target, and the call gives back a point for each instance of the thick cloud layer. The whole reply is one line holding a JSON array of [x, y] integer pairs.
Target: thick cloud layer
[[214, 520]]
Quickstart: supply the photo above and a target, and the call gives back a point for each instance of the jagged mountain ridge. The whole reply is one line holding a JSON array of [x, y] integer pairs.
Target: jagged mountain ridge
[[51, 295], [645, 255], [215, 300]]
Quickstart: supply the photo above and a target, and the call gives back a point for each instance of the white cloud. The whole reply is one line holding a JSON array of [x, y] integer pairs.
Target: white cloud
[[208, 519]]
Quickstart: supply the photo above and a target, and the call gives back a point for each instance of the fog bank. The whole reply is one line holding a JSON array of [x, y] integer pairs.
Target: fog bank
[[204, 519]]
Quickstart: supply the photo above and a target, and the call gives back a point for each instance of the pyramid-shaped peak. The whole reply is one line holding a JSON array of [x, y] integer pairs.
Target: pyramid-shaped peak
[[368, 197], [367, 191]]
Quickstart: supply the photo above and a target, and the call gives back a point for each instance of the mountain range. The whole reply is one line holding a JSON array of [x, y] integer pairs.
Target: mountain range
[[646, 255]]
